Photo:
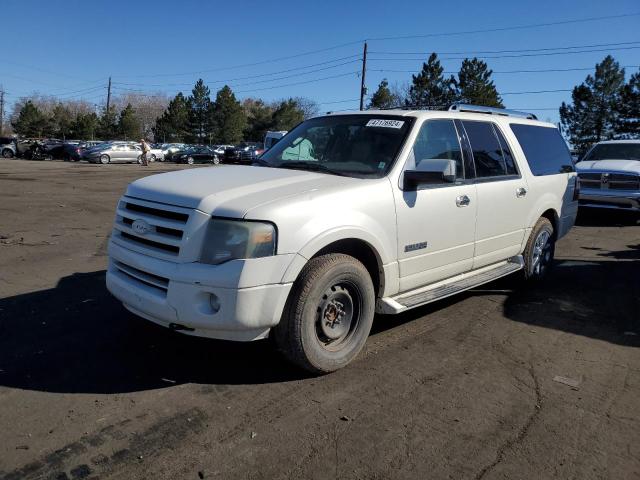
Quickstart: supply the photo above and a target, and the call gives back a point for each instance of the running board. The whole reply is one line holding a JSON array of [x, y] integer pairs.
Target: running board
[[446, 288]]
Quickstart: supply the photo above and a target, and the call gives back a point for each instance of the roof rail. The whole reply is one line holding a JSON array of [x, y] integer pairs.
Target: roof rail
[[462, 107]]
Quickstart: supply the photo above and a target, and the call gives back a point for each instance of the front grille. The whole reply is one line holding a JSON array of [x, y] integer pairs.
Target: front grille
[[150, 227], [610, 181], [148, 279]]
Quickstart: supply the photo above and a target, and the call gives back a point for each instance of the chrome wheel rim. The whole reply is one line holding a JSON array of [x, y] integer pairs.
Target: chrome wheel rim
[[541, 252]]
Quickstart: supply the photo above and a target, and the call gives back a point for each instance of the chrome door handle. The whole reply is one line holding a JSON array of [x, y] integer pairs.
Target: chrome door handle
[[462, 201], [521, 192]]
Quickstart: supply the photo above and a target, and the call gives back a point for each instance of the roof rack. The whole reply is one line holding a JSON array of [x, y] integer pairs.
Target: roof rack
[[462, 107]]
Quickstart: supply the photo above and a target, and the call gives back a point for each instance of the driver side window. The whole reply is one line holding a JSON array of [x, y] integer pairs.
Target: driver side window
[[437, 140]]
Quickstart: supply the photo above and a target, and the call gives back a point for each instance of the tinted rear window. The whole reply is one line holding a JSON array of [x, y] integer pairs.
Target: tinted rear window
[[545, 149]]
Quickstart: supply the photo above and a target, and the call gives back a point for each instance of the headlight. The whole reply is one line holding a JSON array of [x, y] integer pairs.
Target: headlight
[[237, 239]]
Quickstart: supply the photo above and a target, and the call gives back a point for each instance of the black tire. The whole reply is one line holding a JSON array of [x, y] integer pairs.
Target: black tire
[[7, 153], [104, 159], [539, 251], [190, 160], [215, 160], [329, 289]]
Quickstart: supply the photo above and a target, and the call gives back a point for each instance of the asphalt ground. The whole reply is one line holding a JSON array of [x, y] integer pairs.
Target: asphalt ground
[[504, 381]]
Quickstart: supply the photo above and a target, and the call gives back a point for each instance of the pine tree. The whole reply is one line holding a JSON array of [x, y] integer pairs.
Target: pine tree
[[383, 98], [200, 113], [429, 89], [108, 125], [259, 119], [629, 108], [31, 122], [84, 126], [61, 120], [129, 126], [475, 86], [593, 115], [173, 125], [287, 115], [227, 117]]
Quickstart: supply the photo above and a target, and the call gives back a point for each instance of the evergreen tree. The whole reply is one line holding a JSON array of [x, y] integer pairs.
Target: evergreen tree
[[259, 119], [173, 125], [227, 117], [594, 113], [61, 120], [129, 126], [84, 126], [429, 89], [383, 98], [475, 86], [287, 115], [31, 122], [108, 125], [200, 113], [629, 108]]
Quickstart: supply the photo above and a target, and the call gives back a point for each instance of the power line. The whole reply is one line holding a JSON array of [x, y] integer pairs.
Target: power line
[[505, 29], [477, 52], [546, 70], [523, 55]]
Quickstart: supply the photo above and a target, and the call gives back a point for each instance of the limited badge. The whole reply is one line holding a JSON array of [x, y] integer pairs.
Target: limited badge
[[379, 122]]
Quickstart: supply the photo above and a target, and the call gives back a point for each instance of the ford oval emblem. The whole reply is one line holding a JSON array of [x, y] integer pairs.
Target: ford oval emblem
[[141, 227]]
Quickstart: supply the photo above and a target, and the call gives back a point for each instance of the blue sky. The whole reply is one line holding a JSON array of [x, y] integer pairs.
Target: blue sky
[[70, 48]]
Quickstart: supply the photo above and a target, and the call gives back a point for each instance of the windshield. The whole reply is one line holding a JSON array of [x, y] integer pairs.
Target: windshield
[[353, 145], [614, 151]]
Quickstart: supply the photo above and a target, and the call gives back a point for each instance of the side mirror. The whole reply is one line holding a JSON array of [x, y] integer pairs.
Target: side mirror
[[430, 171]]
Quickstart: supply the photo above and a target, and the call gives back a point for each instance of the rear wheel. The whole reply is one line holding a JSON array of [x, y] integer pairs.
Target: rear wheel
[[540, 250], [328, 315], [215, 160], [104, 159], [7, 153], [190, 160]]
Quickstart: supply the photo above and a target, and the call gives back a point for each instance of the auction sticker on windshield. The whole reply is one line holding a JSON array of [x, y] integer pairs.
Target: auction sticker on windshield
[[378, 122]]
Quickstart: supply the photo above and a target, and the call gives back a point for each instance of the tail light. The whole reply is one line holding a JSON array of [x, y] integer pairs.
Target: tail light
[[576, 189]]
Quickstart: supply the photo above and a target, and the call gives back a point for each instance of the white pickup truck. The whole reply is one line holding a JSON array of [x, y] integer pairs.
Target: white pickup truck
[[347, 215]]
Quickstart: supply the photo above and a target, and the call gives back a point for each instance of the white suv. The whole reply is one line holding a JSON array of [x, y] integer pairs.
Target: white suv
[[347, 215]]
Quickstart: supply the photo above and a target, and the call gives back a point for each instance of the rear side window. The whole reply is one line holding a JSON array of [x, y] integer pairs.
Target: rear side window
[[545, 149], [487, 153], [509, 162]]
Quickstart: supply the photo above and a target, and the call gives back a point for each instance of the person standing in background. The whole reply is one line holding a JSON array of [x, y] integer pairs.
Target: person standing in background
[[146, 148]]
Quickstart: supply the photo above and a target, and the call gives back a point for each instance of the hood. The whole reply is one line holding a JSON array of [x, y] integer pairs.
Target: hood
[[230, 190], [631, 166]]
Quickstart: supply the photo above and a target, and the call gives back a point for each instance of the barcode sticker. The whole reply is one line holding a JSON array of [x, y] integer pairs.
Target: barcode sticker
[[378, 122]]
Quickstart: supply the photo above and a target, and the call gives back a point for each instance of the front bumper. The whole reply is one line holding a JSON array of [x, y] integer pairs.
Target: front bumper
[[250, 294], [616, 199]]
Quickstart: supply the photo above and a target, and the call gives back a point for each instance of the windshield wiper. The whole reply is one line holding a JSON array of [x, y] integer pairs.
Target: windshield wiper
[[313, 166], [262, 163]]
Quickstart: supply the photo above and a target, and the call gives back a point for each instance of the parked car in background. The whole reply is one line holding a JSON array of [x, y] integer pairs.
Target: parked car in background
[[609, 175], [155, 154], [121, 152], [200, 154], [348, 215], [244, 153], [220, 149], [8, 147], [272, 137], [170, 149]]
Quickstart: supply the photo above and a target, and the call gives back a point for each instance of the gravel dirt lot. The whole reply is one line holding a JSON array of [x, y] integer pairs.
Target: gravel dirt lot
[[463, 388]]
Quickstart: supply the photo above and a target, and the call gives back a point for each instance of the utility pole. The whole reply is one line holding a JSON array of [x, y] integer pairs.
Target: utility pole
[[363, 89], [109, 95], [1, 110]]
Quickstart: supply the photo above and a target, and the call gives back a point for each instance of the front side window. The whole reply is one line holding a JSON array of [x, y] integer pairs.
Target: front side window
[[437, 140], [487, 153], [544, 148], [353, 145]]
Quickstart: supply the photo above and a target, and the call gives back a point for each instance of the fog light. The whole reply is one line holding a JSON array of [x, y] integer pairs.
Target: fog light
[[214, 303]]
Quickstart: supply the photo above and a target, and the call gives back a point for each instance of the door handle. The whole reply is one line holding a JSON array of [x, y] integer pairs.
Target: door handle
[[462, 201], [521, 192]]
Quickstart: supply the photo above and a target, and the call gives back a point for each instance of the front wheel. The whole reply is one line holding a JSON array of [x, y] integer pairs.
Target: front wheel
[[7, 153], [215, 160], [104, 159], [328, 315], [190, 160], [540, 250]]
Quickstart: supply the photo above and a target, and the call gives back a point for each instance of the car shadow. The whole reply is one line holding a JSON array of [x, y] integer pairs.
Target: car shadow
[[594, 217], [77, 338]]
